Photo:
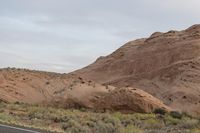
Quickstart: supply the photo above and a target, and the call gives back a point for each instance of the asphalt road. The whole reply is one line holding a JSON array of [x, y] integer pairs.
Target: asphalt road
[[10, 129]]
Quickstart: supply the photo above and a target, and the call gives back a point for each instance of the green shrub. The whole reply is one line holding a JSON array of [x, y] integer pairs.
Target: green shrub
[[139, 116], [64, 126], [90, 124], [189, 123], [83, 109], [85, 121], [186, 114], [132, 129], [6, 117], [160, 111], [176, 114], [102, 127], [73, 126], [17, 102], [2, 105], [153, 123], [169, 120]]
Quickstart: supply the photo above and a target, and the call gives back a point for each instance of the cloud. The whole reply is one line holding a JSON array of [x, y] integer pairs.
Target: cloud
[[64, 35]]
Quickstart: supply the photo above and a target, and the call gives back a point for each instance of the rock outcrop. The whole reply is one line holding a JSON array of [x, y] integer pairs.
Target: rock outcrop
[[166, 65], [70, 91]]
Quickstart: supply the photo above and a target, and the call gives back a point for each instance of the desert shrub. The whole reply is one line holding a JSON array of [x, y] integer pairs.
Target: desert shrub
[[6, 118], [64, 126], [118, 115], [153, 124], [139, 116], [78, 130], [136, 119], [2, 105], [83, 109], [35, 115], [112, 120], [17, 102], [99, 122], [186, 114], [73, 126], [176, 114], [13, 107], [160, 111], [36, 112], [69, 124], [1, 110], [195, 130], [189, 123], [102, 127], [19, 106], [56, 119], [90, 124], [81, 121], [125, 122], [169, 120], [132, 129]]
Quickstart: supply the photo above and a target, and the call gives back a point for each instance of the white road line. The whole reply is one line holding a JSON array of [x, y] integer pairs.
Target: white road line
[[21, 129]]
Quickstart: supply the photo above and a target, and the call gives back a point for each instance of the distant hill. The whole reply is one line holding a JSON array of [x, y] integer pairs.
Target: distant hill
[[70, 91], [166, 65]]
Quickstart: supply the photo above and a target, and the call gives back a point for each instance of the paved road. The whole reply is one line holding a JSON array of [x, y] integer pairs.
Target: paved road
[[10, 129]]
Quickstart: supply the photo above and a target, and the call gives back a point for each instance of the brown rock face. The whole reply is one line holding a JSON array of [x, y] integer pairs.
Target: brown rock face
[[128, 100], [71, 91], [166, 65]]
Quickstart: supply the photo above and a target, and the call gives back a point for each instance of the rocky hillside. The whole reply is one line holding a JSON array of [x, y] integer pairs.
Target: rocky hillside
[[70, 91], [166, 65]]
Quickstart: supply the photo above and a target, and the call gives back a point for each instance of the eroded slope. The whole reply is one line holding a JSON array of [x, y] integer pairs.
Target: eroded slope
[[166, 65], [70, 91]]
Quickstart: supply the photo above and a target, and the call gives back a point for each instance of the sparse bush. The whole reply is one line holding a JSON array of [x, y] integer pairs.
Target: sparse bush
[[169, 120], [176, 114], [132, 129], [73, 126], [2, 105], [4, 117], [153, 123], [90, 124], [189, 123], [85, 121], [102, 127], [139, 116], [186, 114], [17, 102], [71, 123], [160, 111], [195, 130], [83, 109]]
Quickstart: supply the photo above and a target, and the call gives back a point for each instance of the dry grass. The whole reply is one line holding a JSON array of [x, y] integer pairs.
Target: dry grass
[[83, 121]]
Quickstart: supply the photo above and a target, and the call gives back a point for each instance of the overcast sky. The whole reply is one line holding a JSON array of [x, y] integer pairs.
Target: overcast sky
[[64, 35]]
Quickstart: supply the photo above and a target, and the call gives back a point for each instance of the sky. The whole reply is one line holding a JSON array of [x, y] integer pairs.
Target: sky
[[65, 35]]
